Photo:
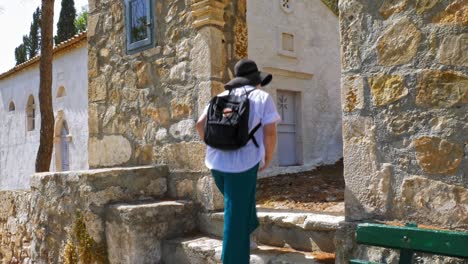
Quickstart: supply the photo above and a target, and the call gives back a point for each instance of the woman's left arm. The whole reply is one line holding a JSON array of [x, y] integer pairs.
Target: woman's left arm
[[201, 126]]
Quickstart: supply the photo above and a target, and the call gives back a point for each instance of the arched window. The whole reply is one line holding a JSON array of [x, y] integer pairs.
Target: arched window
[[11, 106], [61, 92], [31, 113]]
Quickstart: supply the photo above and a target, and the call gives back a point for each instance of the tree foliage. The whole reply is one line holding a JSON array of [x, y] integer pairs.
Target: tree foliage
[[21, 54], [26, 43], [66, 24], [333, 5], [34, 38], [31, 43], [81, 21]]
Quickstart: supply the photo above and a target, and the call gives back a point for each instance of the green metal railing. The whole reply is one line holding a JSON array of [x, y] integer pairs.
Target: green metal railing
[[410, 239]]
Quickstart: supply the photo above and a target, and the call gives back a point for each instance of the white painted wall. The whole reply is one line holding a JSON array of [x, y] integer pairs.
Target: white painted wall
[[18, 147], [314, 72]]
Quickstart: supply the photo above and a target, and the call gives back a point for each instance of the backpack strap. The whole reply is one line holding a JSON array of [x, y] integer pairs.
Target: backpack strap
[[251, 134], [247, 93]]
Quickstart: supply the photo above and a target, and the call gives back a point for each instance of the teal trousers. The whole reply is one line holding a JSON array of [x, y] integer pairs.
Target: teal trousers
[[240, 213]]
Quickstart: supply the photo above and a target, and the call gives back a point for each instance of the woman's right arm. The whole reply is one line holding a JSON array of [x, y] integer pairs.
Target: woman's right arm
[[269, 141]]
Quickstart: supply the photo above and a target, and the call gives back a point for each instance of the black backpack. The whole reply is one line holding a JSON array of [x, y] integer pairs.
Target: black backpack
[[227, 122]]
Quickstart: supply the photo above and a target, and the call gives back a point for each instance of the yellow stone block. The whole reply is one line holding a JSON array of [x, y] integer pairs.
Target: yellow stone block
[[387, 89], [436, 155]]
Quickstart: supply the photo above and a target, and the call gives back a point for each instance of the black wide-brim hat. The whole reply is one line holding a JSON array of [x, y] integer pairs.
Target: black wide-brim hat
[[246, 73]]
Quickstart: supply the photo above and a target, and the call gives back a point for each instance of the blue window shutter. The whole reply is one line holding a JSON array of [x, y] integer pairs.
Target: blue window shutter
[[148, 42]]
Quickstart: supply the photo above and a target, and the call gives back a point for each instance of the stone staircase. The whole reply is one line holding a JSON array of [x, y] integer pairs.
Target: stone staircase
[[304, 231], [185, 227], [134, 231], [207, 250], [284, 237]]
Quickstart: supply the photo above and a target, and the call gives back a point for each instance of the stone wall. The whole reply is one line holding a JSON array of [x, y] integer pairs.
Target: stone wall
[[143, 107], [405, 95], [70, 209], [15, 227], [63, 218]]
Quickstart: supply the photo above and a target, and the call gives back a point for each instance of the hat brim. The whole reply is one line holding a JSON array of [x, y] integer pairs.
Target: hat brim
[[265, 78], [253, 79]]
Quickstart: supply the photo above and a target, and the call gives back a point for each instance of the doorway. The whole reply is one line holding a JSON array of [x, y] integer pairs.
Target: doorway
[[287, 104]]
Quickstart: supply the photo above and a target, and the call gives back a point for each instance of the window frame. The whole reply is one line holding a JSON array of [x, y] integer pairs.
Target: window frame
[[12, 103], [279, 42], [144, 44], [31, 114], [61, 92]]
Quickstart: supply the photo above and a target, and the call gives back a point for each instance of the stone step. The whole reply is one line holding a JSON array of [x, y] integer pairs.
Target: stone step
[[134, 231], [303, 231], [207, 250]]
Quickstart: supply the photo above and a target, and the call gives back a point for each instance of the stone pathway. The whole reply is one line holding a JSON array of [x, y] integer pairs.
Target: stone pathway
[[319, 190]]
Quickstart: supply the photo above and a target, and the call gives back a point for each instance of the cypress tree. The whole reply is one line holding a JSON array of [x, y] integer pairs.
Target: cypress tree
[[34, 44], [66, 24], [21, 54], [26, 44]]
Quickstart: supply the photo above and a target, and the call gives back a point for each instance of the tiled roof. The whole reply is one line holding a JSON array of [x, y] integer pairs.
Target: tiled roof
[[62, 46]]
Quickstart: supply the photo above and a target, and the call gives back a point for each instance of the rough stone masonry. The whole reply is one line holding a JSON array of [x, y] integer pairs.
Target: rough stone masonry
[[142, 107], [405, 110]]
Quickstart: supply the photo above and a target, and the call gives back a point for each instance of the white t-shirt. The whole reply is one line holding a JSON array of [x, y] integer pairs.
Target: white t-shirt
[[262, 109]]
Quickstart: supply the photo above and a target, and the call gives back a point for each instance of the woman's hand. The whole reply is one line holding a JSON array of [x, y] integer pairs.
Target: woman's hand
[[265, 165]]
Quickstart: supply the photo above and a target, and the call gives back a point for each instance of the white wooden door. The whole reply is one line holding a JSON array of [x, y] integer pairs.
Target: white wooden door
[[287, 154]]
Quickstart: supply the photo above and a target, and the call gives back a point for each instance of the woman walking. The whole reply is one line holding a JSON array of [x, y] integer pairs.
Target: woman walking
[[235, 170]]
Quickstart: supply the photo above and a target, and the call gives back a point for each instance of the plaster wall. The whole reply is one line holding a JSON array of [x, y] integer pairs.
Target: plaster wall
[[18, 147], [313, 70]]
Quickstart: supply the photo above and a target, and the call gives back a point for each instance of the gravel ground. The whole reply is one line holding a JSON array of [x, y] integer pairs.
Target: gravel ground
[[319, 190]]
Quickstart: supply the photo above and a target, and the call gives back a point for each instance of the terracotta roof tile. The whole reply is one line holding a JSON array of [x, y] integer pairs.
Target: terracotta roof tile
[[82, 36]]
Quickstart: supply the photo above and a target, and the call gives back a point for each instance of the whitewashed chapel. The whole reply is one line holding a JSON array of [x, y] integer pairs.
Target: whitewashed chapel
[[124, 97], [20, 119]]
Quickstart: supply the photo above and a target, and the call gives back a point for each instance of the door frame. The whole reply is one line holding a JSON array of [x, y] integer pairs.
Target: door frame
[[298, 97], [59, 123]]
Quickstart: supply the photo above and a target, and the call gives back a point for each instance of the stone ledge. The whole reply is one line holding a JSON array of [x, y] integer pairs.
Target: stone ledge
[[301, 231], [289, 73], [135, 210], [134, 231], [305, 221], [208, 251], [38, 179]]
